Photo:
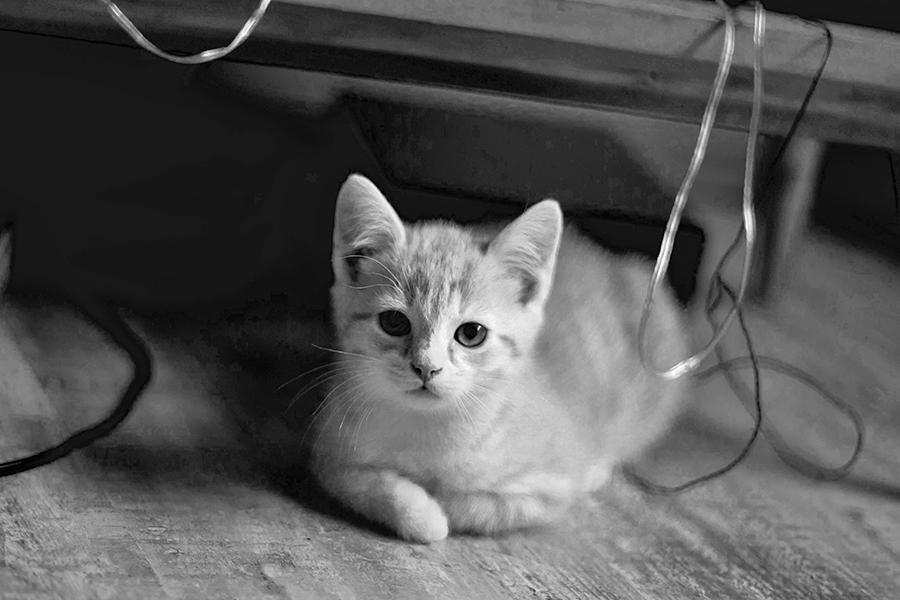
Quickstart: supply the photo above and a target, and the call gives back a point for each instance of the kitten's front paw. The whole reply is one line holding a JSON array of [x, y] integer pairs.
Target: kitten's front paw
[[390, 499], [421, 519], [486, 513]]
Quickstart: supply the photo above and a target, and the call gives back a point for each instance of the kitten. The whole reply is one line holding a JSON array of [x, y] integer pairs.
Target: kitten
[[486, 378]]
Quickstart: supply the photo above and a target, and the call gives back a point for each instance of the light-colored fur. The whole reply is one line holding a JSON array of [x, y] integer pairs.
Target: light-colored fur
[[514, 431]]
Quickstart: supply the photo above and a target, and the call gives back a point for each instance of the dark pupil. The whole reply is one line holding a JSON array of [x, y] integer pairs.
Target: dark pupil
[[471, 334], [394, 322]]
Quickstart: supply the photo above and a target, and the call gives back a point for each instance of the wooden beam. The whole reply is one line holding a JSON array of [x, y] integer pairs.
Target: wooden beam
[[783, 208], [643, 56]]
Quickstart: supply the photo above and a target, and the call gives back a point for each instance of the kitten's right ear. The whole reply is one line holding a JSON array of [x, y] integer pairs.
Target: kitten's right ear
[[364, 222], [5, 256], [527, 247]]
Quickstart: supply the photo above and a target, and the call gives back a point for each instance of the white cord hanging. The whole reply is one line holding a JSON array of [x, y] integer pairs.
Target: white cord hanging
[[692, 362], [194, 59]]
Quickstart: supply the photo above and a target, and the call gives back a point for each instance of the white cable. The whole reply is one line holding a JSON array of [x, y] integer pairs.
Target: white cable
[[194, 59], [692, 362], [662, 262]]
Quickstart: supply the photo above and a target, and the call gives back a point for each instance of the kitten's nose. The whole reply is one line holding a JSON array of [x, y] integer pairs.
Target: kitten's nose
[[425, 371]]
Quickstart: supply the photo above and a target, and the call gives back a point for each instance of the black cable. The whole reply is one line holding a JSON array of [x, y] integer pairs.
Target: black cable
[[112, 323], [796, 462], [793, 460], [810, 90], [711, 304]]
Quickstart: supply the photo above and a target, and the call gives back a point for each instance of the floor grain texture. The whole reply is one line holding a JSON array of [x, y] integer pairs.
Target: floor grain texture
[[185, 502]]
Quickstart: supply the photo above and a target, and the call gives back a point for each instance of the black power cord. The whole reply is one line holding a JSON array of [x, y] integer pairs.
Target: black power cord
[[107, 319], [755, 362]]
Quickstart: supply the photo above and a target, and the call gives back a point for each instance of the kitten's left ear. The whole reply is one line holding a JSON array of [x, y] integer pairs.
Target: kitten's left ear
[[364, 218], [528, 248], [364, 223]]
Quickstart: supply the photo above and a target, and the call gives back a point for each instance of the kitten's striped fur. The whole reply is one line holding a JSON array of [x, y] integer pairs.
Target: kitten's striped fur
[[515, 430]]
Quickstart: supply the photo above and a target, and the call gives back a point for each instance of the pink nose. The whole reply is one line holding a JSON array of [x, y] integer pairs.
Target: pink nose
[[425, 371]]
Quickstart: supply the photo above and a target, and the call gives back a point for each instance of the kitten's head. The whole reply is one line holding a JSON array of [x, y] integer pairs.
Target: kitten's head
[[433, 311]]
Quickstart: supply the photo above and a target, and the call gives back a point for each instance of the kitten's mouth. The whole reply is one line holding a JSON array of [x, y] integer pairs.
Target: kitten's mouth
[[422, 392]]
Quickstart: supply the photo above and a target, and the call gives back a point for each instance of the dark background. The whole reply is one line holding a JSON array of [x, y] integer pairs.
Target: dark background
[[878, 14], [150, 184], [156, 186]]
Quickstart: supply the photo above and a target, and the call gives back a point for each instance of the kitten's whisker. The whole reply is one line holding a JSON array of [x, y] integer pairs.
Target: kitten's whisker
[[358, 380], [335, 389], [344, 418], [466, 414], [319, 381], [360, 416], [331, 404], [391, 282], [360, 423], [335, 370], [343, 352], [322, 378], [345, 399], [477, 401], [476, 397], [303, 374], [378, 262], [372, 285]]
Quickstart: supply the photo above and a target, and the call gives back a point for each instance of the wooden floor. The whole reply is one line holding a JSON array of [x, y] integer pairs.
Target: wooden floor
[[182, 503]]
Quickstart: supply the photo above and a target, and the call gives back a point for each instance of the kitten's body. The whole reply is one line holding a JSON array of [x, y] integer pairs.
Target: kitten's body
[[534, 421]]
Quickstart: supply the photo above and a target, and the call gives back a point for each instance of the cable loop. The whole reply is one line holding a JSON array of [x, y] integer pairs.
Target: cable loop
[[693, 362], [193, 59]]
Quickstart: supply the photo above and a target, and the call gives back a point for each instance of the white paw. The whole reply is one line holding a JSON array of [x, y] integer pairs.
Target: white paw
[[420, 518]]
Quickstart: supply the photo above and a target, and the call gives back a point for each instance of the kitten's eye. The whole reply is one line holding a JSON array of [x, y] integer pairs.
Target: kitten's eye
[[394, 323], [471, 335]]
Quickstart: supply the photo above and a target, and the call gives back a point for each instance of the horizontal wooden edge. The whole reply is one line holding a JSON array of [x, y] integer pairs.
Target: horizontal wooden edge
[[687, 29], [467, 45]]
